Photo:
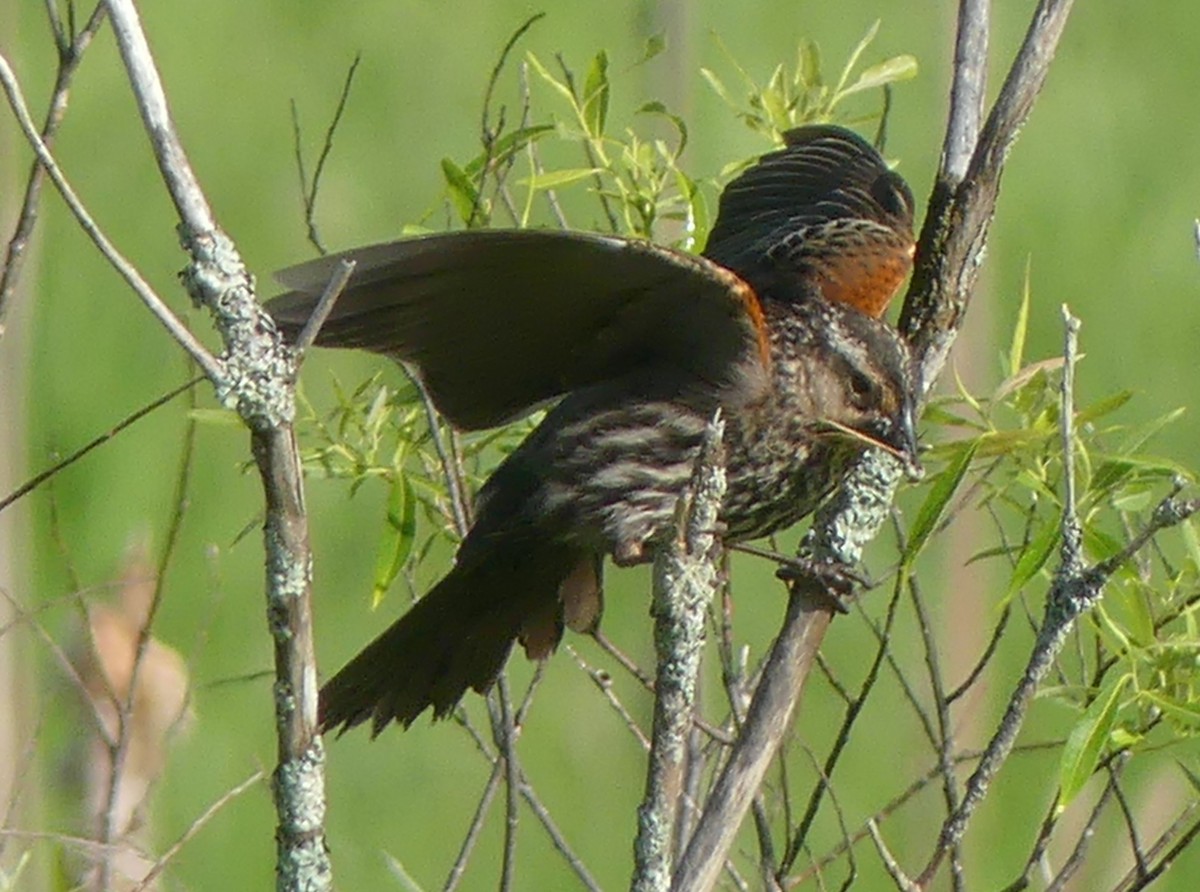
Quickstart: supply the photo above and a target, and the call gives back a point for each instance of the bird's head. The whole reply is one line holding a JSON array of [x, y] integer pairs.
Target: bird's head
[[863, 381]]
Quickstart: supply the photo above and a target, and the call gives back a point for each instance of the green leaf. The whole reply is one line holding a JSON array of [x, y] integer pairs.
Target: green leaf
[[809, 67], [934, 506], [1016, 351], [718, 87], [1188, 713], [654, 107], [556, 178], [1143, 434], [934, 414], [396, 544], [1032, 559], [1082, 751], [1133, 500], [897, 68], [1191, 541], [1117, 469], [1106, 406], [462, 191], [855, 54], [506, 146], [595, 95], [558, 86], [655, 44]]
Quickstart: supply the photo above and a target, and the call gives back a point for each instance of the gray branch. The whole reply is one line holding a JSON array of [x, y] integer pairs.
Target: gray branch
[[1075, 590], [685, 576], [949, 256], [256, 376]]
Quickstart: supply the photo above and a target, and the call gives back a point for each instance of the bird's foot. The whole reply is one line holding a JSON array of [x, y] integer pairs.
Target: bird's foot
[[829, 582]]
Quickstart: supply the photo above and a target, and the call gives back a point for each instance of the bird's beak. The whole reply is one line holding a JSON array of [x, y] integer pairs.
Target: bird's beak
[[904, 439], [896, 436]]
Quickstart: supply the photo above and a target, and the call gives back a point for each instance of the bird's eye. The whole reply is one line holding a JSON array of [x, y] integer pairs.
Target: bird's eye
[[861, 386]]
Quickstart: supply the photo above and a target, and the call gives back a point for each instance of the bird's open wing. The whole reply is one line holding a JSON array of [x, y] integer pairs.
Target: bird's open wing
[[501, 321], [824, 173]]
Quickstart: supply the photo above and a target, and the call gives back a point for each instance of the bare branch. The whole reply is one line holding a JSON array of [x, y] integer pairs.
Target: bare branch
[[70, 54], [954, 236], [1074, 591], [34, 482], [890, 864], [257, 377], [767, 721], [967, 91], [685, 579], [211, 366]]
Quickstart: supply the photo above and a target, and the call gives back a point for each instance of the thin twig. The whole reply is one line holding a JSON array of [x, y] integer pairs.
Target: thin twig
[[945, 737], [986, 657], [603, 681], [900, 800], [474, 828], [70, 53], [36, 481], [854, 708], [556, 837], [119, 751], [1135, 843], [1038, 851], [890, 864], [212, 367], [487, 134], [195, 827], [1137, 880], [1075, 859], [333, 290], [505, 732], [309, 191]]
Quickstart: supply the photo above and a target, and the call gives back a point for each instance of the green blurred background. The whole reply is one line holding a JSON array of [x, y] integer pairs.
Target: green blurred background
[[1098, 199]]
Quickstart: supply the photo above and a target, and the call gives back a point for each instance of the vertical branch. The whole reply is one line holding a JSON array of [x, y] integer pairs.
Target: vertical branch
[[967, 91], [685, 578], [257, 377]]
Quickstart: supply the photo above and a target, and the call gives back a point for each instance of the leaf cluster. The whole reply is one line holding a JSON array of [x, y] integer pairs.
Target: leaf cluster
[[1134, 676]]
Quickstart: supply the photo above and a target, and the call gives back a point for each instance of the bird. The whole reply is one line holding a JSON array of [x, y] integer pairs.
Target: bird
[[631, 347]]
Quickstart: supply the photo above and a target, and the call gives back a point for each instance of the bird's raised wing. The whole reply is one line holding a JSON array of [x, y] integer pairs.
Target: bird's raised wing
[[824, 175], [499, 322]]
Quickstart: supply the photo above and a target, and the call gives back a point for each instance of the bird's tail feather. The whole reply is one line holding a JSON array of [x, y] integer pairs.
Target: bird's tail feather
[[456, 637]]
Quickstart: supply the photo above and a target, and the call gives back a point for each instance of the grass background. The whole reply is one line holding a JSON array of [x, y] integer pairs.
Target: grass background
[[1098, 199]]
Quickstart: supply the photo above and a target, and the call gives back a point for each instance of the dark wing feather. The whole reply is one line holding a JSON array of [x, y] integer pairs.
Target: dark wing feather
[[823, 173], [501, 321]]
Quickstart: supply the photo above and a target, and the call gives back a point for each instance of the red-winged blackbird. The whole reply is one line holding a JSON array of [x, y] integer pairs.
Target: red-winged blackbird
[[641, 345]]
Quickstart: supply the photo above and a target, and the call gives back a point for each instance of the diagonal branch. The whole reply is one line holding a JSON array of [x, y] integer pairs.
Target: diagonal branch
[[949, 256]]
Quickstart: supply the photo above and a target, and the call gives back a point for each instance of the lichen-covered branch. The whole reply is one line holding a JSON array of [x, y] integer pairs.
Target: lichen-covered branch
[[685, 576], [256, 377], [949, 256]]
